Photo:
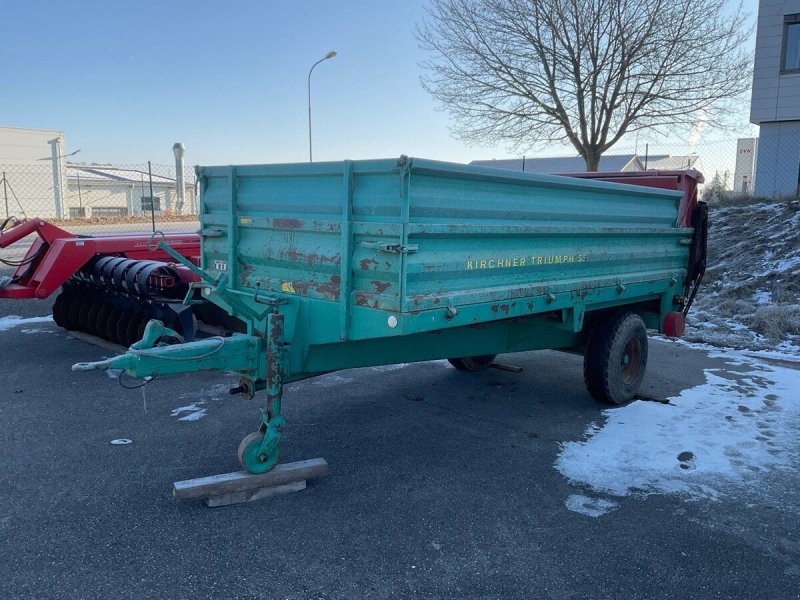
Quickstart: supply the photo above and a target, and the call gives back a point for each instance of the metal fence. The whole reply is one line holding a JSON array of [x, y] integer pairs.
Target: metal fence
[[88, 198]]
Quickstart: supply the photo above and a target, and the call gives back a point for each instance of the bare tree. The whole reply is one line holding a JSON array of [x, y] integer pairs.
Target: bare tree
[[528, 72]]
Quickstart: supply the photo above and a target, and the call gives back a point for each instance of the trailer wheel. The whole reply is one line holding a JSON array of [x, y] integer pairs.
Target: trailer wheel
[[615, 359], [473, 364], [249, 457]]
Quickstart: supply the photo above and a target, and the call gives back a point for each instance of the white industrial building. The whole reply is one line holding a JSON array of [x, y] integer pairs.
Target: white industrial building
[[33, 176], [108, 191], [775, 101], [36, 181], [745, 170]]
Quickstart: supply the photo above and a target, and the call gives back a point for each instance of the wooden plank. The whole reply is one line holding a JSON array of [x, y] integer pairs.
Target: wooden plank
[[257, 494], [96, 341], [241, 481]]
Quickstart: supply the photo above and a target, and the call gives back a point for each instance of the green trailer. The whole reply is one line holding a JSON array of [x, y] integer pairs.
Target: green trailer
[[349, 264]]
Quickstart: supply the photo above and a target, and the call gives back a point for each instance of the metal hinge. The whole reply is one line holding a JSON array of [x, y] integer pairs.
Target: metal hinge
[[211, 232], [391, 248]]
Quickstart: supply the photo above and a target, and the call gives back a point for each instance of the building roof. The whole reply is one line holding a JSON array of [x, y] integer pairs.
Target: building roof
[[673, 163], [564, 164], [114, 174]]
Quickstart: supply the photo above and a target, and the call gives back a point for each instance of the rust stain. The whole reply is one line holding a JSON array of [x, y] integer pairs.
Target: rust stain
[[315, 258], [301, 287], [368, 264], [287, 223], [361, 300], [312, 259], [380, 286], [331, 289]]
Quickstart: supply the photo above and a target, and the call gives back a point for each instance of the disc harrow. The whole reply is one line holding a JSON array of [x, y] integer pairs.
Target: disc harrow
[[114, 297]]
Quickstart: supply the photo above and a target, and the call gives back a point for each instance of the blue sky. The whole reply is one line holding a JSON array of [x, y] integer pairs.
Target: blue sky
[[125, 80]]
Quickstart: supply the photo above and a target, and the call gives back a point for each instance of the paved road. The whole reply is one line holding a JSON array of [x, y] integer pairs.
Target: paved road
[[441, 485]]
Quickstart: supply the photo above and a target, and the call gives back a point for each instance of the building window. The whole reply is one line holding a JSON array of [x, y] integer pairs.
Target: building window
[[109, 211], [791, 44], [151, 203]]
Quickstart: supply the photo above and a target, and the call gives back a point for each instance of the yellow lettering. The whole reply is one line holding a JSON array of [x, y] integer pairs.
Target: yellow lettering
[[538, 260], [491, 264], [571, 258], [516, 262], [508, 262], [469, 264], [483, 264], [557, 260], [522, 262]]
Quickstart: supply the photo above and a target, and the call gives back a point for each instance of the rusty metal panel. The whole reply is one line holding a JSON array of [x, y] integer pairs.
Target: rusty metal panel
[[413, 238]]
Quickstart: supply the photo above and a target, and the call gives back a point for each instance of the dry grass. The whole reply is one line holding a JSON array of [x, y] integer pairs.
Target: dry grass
[[775, 322]]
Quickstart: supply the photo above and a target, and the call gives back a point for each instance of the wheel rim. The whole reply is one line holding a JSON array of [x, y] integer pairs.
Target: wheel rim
[[253, 460], [631, 360]]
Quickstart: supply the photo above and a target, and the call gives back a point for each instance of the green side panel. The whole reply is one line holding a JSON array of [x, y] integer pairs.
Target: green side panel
[[364, 250]]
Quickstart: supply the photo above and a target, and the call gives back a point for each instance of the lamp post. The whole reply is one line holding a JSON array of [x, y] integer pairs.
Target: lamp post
[[330, 54], [178, 149]]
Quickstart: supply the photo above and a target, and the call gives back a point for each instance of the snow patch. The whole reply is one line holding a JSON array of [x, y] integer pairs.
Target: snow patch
[[330, 380], [10, 321], [591, 507], [196, 411], [723, 433], [383, 368]]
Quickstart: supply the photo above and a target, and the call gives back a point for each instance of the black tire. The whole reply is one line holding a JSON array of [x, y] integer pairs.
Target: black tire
[[616, 358], [473, 364]]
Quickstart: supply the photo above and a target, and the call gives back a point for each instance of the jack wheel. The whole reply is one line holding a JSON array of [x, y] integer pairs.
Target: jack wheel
[[252, 459]]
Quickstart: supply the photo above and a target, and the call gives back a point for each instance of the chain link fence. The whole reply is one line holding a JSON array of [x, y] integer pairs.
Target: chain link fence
[[89, 198]]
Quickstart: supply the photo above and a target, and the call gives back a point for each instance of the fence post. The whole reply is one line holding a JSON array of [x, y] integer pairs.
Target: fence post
[[55, 145], [5, 192]]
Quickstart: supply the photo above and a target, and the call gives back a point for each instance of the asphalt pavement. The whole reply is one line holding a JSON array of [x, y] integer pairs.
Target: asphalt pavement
[[442, 485]]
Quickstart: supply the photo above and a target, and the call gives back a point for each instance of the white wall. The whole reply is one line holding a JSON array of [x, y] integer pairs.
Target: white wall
[[776, 96], [778, 160], [26, 160], [744, 174]]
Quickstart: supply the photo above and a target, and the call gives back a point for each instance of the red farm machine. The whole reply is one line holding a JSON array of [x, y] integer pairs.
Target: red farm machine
[[110, 285]]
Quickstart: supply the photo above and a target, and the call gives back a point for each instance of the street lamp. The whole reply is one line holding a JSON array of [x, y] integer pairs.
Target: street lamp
[[330, 54]]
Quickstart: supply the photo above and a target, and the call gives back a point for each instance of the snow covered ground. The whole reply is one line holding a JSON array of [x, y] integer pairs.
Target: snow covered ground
[[750, 296], [721, 437], [729, 436]]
